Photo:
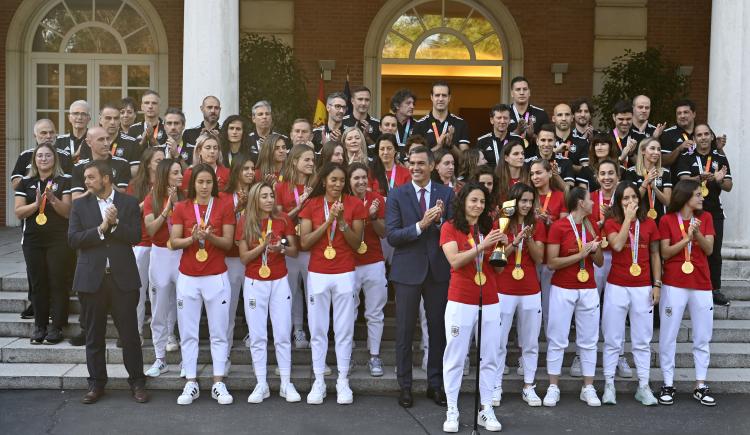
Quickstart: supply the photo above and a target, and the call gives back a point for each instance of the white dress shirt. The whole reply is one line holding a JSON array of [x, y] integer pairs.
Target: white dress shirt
[[428, 189]]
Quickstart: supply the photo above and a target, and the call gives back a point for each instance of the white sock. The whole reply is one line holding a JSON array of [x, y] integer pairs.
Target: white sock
[[643, 384], [343, 376], [610, 380], [320, 378], [261, 379], [285, 380], [701, 385]]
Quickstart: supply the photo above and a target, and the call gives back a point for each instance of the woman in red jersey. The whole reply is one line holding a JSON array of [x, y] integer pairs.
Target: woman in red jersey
[[208, 151], [271, 159], [512, 168], [386, 173]]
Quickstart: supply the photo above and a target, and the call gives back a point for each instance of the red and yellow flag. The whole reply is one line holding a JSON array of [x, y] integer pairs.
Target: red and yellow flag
[[321, 115]]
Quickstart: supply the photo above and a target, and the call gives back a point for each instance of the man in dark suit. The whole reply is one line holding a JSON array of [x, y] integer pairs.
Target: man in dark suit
[[414, 213], [104, 226]]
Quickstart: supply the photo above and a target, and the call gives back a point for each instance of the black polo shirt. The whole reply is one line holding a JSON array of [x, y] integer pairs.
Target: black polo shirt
[[190, 135], [648, 131], [563, 164], [621, 143], [255, 142], [123, 146], [693, 164], [578, 149], [537, 115], [322, 135], [185, 151], [72, 144], [663, 182], [136, 131], [120, 170], [492, 146], [55, 231], [424, 126], [672, 138], [23, 163]]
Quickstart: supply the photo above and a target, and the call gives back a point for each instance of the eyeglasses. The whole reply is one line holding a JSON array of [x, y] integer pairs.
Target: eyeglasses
[[79, 114], [339, 107]]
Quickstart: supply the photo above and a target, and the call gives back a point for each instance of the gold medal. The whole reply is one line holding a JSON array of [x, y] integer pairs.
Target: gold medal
[[41, 219], [652, 213], [635, 269], [362, 248], [517, 273], [687, 268], [329, 253], [201, 255], [583, 275], [264, 271], [480, 278], [605, 243], [169, 245], [297, 229], [704, 190]]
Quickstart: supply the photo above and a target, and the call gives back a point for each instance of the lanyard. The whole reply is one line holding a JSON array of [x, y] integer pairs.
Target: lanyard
[[701, 168], [580, 240], [689, 247], [519, 249], [649, 191], [406, 133], [495, 150], [262, 240], [203, 222], [333, 227], [236, 200], [42, 194], [634, 238], [518, 117], [546, 201], [480, 257], [392, 180], [296, 195], [435, 130]]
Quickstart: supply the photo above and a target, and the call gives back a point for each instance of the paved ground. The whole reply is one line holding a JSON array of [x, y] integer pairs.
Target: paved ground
[[59, 412]]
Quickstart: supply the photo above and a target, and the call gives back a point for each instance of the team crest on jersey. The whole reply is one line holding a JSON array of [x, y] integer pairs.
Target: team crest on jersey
[[184, 155], [715, 165], [252, 304], [179, 304], [55, 187], [532, 119], [119, 152], [668, 311], [573, 147], [454, 331], [658, 182]]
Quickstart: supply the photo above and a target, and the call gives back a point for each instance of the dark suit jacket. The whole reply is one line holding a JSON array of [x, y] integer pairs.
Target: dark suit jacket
[[415, 254], [117, 245]]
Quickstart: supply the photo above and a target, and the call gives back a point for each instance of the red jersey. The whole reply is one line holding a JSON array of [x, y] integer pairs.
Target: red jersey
[[401, 176], [555, 205], [561, 233], [281, 228], [184, 214], [374, 250], [596, 212], [161, 236], [462, 287], [231, 199], [529, 284], [285, 195], [222, 176], [619, 274], [259, 177], [145, 238], [344, 260], [700, 278]]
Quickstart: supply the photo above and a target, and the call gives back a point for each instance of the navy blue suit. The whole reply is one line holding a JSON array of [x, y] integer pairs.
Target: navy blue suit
[[419, 270]]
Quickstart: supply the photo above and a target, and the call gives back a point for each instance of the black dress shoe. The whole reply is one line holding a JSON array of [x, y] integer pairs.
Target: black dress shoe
[[720, 299], [78, 340], [54, 336], [140, 395], [92, 396], [38, 336], [405, 399], [438, 395], [28, 313]]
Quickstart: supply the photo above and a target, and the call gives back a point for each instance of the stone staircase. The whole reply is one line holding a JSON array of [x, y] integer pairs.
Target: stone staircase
[[26, 366]]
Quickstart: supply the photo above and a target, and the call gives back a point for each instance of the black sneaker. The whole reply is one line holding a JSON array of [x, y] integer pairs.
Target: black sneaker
[[38, 336], [78, 340], [720, 299], [666, 395], [28, 313], [703, 395], [54, 336]]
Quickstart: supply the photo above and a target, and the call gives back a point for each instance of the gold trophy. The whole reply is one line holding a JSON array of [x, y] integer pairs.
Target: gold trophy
[[498, 258]]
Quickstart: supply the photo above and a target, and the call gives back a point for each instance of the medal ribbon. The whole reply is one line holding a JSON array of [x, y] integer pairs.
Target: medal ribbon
[[203, 222], [518, 118], [703, 170], [392, 180], [649, 191], [634, 241], [480, 257], [519, 249], [406, 133], [333, 227], [44, 197], [619, 144], [435, 130], [689, 247], [580, 240], [262, 240], [546, 201]]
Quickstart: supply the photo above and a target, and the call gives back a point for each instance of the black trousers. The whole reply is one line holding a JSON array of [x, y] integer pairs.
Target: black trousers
[[408, 296], [47, 268], [714, 260], [122, 304]]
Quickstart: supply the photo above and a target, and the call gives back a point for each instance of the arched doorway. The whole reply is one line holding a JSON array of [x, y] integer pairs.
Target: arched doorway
[[475, 45]]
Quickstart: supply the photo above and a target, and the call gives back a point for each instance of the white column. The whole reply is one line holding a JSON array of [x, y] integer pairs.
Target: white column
[[210, 56], [728, 111]]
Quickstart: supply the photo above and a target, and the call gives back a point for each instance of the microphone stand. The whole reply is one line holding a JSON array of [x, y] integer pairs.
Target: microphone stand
[[475, 430]]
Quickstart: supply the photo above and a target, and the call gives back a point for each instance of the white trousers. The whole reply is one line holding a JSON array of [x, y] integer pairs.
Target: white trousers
[[563, 303], [163, 278], [142, 254], [236, 276], [370, 279], [671, 308], [461, 321], [544, 274], [297, 276], [192, 293], [261, 299], [528, 324], [322, 291], [620, 302], [601, 273]]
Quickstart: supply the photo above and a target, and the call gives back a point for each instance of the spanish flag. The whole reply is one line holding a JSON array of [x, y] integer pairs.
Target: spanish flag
[[320, 117]]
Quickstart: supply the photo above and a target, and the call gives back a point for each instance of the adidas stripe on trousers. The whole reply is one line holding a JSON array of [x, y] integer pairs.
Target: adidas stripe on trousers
[[163, 278]]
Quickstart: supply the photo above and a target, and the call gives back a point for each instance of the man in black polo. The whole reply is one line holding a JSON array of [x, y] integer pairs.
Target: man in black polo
[[262, 117], [525, 118], [440, 128], [177, 147], [361, 118], [73, 142], [641, 113], [44, 132], [492, 143], [679, 138], [582, 128], [545, 142], [96, 139], [150, 132], [402, 105], [331, 130], [211, 110], [120, 144], [566, 143], [625, 138]]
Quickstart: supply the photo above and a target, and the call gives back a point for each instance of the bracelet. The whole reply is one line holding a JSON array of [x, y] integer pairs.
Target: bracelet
[[656, 285]]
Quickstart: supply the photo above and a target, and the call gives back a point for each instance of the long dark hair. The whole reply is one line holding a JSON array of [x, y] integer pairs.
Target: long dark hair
[[484, 223], [326, 152], [161, 184], [197, 169], [555, 181], [319, 189], [503, 171], [266, 162], [681, 194], [224, 135], [439, 154], [350, 170], [574, 195], [236, 172], [617, 212], [516, 192], [378, 168], [141, 181], [494, 195]]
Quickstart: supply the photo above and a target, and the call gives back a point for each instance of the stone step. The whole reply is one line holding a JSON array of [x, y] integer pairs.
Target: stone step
[[736, 290], [20, 350], [241, 380]]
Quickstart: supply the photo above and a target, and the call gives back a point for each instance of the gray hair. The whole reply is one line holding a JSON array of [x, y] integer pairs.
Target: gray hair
[[334, 95], [259, 104], [83, 103], [42, 121]]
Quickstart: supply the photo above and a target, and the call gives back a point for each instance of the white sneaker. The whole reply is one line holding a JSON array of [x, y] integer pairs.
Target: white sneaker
[[575, 368], [172, 343], [289, 393], [588, 395], [317, 393], [451, 420], [300, 340], [246, 341], [220, 393], [189, 393], [488, 420], [552, 396], [645, 396], [344, 395], [529, 396], [227, 366], [157, 368], [467, 365], [519, 370], [424, 360], [375, 364], [610, 394], [623, 368], [497, 396], [260, 392]]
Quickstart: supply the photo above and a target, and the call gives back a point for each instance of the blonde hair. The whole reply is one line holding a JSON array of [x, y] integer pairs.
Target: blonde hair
[[362, 144], [252, 230], [640, 166], [205, 136]]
